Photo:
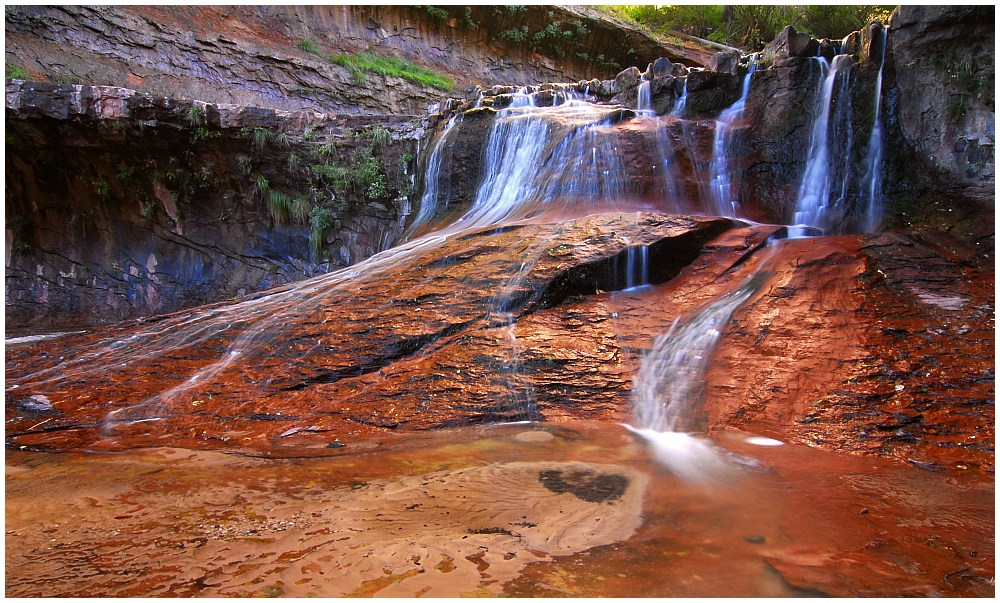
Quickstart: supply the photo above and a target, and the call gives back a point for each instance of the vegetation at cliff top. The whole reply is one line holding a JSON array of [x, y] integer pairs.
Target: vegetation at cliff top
[[751, 26], [370, 62]]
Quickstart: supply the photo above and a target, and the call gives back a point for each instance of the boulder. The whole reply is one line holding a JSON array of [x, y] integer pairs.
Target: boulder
[[789, 43], [726, 61], [627, 79], [661, 67]]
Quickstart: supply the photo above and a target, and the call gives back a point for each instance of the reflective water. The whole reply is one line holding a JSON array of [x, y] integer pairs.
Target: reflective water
[[576, 509]]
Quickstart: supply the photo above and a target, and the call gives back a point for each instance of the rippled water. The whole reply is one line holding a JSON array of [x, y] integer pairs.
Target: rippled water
[[530, 509]]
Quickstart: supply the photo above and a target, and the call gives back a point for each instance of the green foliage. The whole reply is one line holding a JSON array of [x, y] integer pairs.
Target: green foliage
[[379, 136], [513, 9], [334, 174], [321, 220], [16, 72], [752, 26], [263, 186], [369, 177], [467, 18], [300, 209], [102, 187], [280, 206], [125, 172], [308, 45], [969, 79], [363, 63], [957, 106], [148, 209], [18, 225], [246, 163], [195, 115], [325, 151], [437, 12], [514, 35], [261, 137], [202, 133]]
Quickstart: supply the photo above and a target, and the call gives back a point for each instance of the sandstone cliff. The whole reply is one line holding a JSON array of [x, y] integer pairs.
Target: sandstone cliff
[[277, 56], [128, 201]]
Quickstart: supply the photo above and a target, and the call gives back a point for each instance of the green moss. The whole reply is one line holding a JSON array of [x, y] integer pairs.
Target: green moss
[[321, 220], [309, 46], [363, 63], [16, 72]]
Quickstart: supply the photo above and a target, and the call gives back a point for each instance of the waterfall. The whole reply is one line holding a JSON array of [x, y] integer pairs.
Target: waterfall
[[812, 204], [671, 375], [671, 380], [723, 201], [681, 103], [643, 102], [871, 189], [432, 192], [545, 157]]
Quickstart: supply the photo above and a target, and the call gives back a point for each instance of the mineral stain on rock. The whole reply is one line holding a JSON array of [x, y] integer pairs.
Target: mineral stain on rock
[[585, 485]]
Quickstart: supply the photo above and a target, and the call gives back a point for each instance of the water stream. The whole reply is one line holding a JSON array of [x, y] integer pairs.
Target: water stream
[[526, 509], [724, 202], [871, 189]]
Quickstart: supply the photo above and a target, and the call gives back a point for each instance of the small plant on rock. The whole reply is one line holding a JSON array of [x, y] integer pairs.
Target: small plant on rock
[[308, 45]]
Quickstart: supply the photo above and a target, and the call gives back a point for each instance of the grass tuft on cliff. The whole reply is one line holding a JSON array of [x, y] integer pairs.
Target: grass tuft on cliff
[[369, 62]]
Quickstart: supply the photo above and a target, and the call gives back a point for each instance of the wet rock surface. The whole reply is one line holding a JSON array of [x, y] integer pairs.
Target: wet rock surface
[[463, 513], [432, 337], [868, 345], [121, 204]]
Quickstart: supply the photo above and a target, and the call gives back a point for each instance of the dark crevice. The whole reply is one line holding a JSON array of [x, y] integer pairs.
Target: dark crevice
[[391, 351], [665, 259]]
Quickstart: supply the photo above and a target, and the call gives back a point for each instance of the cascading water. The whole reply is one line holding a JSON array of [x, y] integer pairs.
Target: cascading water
[[871, 189], [671, 381], [813, 201], [724, 202], [681, 104], [821, 204], [643, 101], [538, 161], [432, 196]]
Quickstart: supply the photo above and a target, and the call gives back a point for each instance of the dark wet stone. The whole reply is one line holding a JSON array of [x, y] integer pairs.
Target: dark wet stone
[[926, 466], [35, 404], [336, 445], [585, 485]]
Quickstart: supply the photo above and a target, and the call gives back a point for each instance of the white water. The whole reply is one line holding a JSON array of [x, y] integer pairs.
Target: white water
[[643, 102], [432, 196], [671, 380], [812, 203], [871, 184], [724, 202], [671, 375], [536, 158], [681, 104]]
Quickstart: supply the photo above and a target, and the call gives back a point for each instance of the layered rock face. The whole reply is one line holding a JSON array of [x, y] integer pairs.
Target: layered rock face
[[255, 55], [767, 148], [121, 204], [945, 108]]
